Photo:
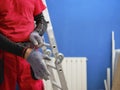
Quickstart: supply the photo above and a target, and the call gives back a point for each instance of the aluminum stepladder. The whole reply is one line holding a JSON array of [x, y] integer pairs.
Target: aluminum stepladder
[[55, 54]]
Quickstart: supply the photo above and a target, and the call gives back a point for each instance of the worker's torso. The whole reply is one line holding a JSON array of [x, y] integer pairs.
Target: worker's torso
[[16, 19]]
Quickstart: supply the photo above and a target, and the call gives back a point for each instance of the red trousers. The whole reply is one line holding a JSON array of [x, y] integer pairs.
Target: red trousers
[[17, 70]]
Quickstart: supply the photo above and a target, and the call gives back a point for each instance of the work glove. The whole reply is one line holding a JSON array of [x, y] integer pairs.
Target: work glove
[[38, 66], [41, 24], [36, 39]]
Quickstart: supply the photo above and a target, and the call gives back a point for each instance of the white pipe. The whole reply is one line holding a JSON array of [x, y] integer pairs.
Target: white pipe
[[113, 53], [105, 83], [108, 78]]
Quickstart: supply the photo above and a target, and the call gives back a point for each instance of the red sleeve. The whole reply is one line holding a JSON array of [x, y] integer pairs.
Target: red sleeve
[[39, 7]]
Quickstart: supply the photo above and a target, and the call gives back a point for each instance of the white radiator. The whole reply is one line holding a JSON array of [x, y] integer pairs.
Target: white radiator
[[75, 70]]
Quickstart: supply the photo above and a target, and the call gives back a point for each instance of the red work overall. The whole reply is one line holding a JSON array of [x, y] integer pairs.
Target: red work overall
[[16, 23]]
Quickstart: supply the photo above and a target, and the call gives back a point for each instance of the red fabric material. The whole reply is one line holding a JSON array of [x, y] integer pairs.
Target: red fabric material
[[16, 23], [16, 69], [17, 18]]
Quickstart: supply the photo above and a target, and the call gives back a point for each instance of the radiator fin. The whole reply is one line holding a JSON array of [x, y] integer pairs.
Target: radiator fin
[[75, 70]]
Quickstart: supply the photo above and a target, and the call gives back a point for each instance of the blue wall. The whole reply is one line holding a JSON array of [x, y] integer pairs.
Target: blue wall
[[83, 28]]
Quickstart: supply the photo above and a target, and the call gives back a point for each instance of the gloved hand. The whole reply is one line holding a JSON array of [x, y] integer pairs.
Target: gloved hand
[[36, 39], [38, 66]]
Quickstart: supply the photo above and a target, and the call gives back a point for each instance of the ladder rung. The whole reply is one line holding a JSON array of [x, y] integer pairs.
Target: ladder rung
[[48, 64], [56, 85]]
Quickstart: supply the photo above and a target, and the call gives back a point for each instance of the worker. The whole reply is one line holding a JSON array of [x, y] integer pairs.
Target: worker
[[19, 62]]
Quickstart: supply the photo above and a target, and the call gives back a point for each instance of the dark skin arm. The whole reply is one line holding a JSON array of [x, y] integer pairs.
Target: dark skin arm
[[9, 46]]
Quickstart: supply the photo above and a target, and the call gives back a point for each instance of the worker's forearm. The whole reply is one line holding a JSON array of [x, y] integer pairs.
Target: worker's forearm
[[41, 24], [9, 46]]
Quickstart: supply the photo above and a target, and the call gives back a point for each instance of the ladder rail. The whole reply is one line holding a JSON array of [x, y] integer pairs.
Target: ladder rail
[[58, 57]]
